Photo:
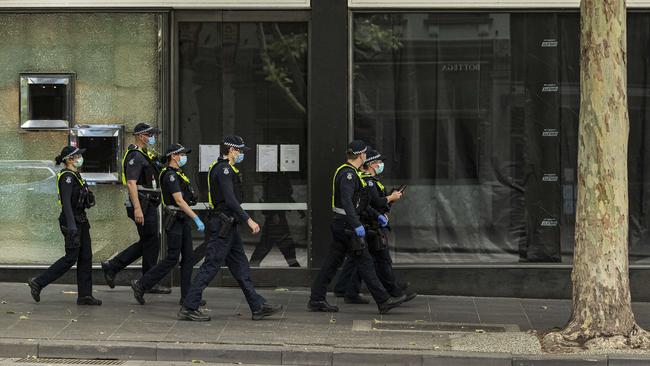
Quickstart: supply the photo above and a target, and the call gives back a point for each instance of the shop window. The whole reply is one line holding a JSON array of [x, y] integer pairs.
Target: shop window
[[46, 101]]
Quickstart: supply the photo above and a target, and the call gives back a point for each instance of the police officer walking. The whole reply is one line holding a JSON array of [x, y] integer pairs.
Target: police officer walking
[[140, 170], [74, 198], [348, 201], [177, 196], [224, 246], [380, 202]]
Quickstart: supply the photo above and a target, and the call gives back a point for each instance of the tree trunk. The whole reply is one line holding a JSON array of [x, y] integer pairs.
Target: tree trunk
[[602, 314]]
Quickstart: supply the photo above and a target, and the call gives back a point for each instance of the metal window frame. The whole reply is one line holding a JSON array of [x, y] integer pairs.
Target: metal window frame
[[471, 5], [62, 78], [242, 16]]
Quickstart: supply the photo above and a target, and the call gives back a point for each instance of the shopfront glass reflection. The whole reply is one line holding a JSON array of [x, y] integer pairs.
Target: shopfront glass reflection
[[478, 113], [250, 79], [275, 230]]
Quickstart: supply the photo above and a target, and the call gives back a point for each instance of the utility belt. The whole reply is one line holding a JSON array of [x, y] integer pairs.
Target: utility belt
[[148, 197], [86, 199], [172, 215], [376, 239], [228, 222]]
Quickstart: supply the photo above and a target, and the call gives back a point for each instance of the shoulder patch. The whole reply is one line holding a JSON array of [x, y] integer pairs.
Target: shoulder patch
[[349, 176], [226, 171], [172, 177], [131, 162], [68, 180]]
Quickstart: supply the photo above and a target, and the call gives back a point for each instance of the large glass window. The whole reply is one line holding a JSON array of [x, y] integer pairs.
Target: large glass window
[[250, 79], [478, 114]]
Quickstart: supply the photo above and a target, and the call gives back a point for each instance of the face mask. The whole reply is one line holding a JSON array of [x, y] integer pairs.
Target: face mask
[[183, 161], [380, 168], [79, 162], [151, 140], [239, 158]]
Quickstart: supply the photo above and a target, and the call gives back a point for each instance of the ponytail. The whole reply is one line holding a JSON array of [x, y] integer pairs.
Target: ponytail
[[58, 160]]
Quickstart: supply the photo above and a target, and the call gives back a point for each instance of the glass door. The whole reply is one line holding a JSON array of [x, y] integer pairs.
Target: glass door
[[250, 78]]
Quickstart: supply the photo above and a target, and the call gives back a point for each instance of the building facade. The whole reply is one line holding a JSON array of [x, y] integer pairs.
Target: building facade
[[475, 104]]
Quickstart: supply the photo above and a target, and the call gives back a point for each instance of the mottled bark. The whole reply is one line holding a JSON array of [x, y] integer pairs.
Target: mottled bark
[[602, 313]]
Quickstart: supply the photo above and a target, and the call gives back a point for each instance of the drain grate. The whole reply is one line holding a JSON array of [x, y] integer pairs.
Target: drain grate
[[430, 327], [70, 361]]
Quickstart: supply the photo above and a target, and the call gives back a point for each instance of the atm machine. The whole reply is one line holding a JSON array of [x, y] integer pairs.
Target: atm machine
[[104, 145]]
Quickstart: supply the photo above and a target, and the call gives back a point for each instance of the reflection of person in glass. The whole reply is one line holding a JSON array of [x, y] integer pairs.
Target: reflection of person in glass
[[380, 203], [74, 198], [276, 227]]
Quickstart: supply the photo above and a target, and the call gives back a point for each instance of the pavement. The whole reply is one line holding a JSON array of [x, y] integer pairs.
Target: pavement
[[430, 330]]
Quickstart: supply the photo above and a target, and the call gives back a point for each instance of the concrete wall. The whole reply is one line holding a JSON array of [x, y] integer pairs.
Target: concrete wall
[[116, 59]]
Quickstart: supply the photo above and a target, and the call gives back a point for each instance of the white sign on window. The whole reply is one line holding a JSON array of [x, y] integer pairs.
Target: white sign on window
[[289, 158], [207, 154], [267, 158]]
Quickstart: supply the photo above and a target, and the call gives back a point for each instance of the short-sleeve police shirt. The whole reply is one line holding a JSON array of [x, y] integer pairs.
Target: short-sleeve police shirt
[[135, 164], [170, 185]]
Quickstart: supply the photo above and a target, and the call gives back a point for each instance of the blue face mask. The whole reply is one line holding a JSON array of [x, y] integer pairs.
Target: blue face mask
[[239, 158], [151, 140], [183, 161], [380, 168]]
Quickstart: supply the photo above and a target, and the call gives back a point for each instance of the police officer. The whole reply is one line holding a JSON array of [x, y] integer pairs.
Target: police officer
[[348, 202], [74, 198], [140, 171], [177, 196], [381, 202], [225, 195]]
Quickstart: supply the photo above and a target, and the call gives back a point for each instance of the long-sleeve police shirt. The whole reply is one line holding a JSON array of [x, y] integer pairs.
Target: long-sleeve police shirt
[[347, 188], [222, 183], [377, 200], [68, 186]]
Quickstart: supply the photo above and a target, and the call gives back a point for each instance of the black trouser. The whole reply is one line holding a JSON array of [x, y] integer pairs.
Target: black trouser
[[349, 282], [363, 262], [275, 231], [77, 250], [179, 244], [147, 247], [220, 251]]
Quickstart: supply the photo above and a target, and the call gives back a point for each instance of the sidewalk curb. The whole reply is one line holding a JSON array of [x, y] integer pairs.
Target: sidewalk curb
[[293, 355]]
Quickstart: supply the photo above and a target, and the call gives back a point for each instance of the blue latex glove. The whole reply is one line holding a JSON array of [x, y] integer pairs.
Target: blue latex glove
[[199, 224], [361, 231], [383, 220]]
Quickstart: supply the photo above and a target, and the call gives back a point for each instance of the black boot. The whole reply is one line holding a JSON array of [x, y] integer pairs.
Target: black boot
[[392, 302], [88, 300], [266, 310], [138, 292], [35, 289], [322, 306], [203, 302], [192, 315], [157, 289], [410, 296], [109, 275]]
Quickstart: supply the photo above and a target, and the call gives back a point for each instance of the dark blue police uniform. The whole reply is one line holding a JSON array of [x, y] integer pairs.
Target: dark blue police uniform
[[348, 203]]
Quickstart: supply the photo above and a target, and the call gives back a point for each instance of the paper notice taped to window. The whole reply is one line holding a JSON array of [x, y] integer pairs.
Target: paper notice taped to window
[[289, 158], [207, 154], [267, 158]]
